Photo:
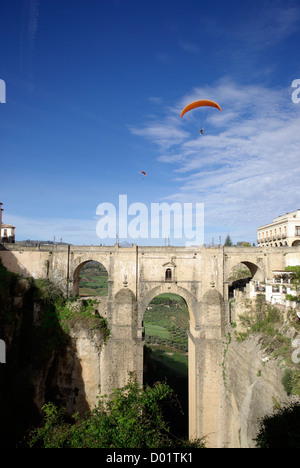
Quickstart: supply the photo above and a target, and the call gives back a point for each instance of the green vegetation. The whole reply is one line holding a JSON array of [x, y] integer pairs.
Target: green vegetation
[[228, 241], [93, 280], [227, 343], [295, 280], [269, 324], [291, 381], [153, 331], [238, 272], [270, 327], [280, 429], [132, 418], [35, 331], [60, 314], [166, 321], [170, 361]]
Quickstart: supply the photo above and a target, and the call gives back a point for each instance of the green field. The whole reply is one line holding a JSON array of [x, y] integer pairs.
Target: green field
[[156, 330], [166, 322], [93, 280], [173, 360]]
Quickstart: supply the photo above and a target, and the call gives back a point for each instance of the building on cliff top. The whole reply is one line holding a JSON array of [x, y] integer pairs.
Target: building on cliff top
[[7, 231], [283, 231]]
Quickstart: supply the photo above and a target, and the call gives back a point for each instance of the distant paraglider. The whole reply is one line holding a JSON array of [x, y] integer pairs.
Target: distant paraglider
[[201, 103], [143, 174]]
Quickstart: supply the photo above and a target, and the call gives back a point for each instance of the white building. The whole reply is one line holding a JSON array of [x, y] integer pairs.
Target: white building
[[7, 231], [283, 231], [7, 234], [1, 215]]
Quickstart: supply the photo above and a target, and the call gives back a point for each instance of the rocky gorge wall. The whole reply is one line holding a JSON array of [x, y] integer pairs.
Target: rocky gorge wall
[[47, 359], [253, 375], [254, 388]]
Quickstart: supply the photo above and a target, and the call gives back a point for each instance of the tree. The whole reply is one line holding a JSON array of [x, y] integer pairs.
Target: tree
[[295, 280], [295, 276], [228, 242], [243, 244], [281, 429], [131, 418]]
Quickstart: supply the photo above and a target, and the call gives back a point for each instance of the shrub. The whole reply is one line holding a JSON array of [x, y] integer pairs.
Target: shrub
[[131, 418], [280, 429]]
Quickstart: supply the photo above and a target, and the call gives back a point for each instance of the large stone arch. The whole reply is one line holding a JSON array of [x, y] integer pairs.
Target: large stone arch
[[170, 288], [193, 306]]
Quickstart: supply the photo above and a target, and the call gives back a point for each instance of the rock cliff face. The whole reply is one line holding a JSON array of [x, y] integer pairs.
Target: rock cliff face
[[44, 362], [253, 388], [253, 370], [72, 376]]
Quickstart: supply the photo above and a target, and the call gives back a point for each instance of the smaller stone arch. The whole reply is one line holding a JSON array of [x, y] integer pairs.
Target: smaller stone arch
[[76, 273], [255, 270], [239, 283]]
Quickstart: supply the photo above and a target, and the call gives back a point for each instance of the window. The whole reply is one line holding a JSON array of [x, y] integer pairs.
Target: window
[[168, 275], [297, 230]]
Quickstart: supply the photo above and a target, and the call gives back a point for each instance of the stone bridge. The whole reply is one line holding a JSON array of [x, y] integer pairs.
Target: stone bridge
[[138, 274]]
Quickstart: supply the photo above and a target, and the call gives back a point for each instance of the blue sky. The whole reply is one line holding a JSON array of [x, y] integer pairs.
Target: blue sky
[[94, 91]]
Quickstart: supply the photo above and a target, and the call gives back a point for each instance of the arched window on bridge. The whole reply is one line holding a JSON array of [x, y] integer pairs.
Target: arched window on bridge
[[168, 274]]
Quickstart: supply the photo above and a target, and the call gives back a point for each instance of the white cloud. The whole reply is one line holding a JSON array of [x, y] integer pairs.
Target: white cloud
[[246, 167]]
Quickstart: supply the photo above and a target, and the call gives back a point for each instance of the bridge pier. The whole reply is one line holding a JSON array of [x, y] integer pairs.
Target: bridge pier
[[206, 350], [123, 352]]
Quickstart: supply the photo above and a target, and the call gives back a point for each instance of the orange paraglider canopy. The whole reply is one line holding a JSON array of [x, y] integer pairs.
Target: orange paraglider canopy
[[143, 172], [201, 103]]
